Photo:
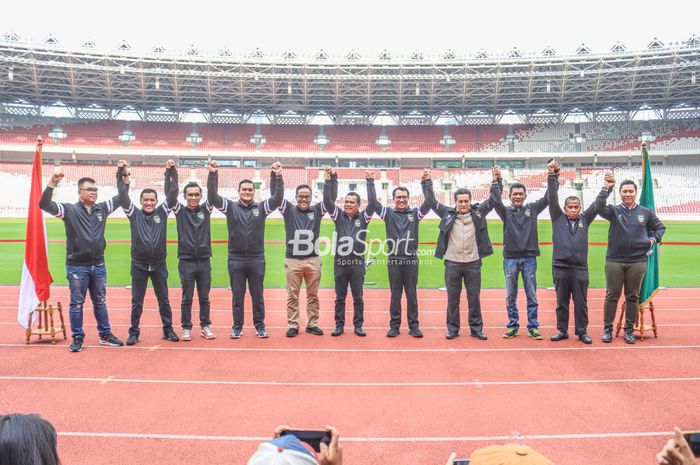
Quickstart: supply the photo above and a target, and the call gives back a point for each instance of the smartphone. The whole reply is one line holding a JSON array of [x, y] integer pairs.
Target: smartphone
[[693, 439], [312, 438], [461, 462]]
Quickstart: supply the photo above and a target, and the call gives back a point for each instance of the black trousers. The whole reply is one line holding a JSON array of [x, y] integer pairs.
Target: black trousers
[[470, 274], [403, 276], [250, 270], [354, 275], [195, 272], [139, 282], [571, 283]]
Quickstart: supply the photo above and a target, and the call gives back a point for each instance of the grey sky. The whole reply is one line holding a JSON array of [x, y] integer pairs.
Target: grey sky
[[367, 26]]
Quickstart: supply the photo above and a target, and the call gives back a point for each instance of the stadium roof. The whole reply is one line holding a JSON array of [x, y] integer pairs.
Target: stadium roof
[[230, 88]]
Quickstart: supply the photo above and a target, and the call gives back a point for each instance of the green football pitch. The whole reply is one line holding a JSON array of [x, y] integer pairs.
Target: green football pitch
[[678, 262]]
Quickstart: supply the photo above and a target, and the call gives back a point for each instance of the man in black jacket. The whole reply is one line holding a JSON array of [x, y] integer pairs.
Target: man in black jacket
[[520, 252], [302, 225], [85, 245], [194, 256], [349, 264], [570, 255], [633, 231], [401, 223], [246, 243], [463, 241], [149, 227]]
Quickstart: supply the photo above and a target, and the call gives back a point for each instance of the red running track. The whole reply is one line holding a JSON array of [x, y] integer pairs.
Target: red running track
[[398, 401]]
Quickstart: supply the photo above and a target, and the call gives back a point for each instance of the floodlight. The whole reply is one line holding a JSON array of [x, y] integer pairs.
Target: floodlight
[[322, 140], [11, 73], [157, 83], [194, 138], [383, 140], [127, 136]]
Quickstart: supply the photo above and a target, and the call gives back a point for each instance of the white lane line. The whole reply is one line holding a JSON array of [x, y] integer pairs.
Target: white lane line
[[227, 328], [639, 346], [193, 437], [476, 383]]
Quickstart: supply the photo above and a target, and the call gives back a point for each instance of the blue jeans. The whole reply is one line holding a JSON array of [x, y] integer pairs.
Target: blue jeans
[[528, 267], [80, 280]]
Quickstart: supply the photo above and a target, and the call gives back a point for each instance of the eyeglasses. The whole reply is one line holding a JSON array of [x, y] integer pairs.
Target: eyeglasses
[[89, 189], [303, 197], [196, 194]]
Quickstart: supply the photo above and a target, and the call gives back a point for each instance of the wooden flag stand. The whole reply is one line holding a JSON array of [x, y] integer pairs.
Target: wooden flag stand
[[640, 326], [46, 326]]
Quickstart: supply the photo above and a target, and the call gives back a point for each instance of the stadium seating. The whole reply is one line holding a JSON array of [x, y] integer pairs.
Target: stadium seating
[[597, 137]]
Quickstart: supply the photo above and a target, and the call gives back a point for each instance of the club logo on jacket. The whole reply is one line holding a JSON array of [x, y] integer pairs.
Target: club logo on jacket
[[256, 211], [527, 213], [156, 218], [477, 213], [640, 218], [99, 217], [311, 216], [200, 215], [410, 216], [358, 223]]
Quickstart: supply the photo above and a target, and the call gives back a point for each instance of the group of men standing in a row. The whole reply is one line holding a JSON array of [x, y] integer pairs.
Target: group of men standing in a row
[[463, 242]]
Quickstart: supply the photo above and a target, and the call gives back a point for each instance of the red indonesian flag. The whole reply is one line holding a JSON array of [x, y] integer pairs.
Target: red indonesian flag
[[36, 279]]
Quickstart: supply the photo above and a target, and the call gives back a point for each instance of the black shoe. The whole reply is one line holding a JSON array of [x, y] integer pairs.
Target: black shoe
[[315, 330], [76, 345], [452, 334], [132, 339], [415, 332], [291, 332], [560, 336], [607, 335], [360, 332], [110, 340], [262, 333], [393, 332], [171, 336], [629, 337], [480, 335], [338, 331], [585, 338]]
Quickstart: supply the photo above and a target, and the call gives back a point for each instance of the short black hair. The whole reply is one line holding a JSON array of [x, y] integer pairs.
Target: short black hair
[[82, 181], [245, 181], [517, 185], [190, 185], [463, 191], [148, 190], [302, 186], [628, 182], [355, 194], [399, 188], [20, 434], [571, 198]]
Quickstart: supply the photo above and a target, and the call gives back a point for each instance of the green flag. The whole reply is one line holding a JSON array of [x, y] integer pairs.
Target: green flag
[[650, 285]]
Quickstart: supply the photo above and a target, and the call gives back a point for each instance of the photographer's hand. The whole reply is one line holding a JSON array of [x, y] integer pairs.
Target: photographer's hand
[[676, 451], [331, 454]]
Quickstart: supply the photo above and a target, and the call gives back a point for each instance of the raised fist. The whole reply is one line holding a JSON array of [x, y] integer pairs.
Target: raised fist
[[426, 175], [213, 166], [609, 180], [170, 164], [369, 174]]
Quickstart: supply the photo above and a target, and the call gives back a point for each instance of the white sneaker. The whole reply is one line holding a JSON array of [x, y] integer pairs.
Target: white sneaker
[[186, 335], [207, 333]]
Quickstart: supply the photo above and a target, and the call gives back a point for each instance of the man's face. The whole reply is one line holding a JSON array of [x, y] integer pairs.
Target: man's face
[[148, 202], [351, 205], [401, 200], [517, 197], [246, 192], [464, 203], [88, 193], [628, 194], [572, 209], [192, 196], [304, 198]]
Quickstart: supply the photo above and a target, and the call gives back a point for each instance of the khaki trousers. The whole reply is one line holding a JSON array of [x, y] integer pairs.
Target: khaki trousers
[[309, 271], [617, 275]]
